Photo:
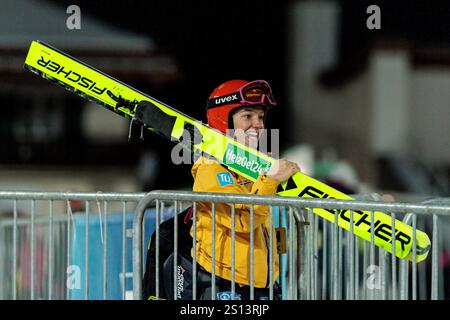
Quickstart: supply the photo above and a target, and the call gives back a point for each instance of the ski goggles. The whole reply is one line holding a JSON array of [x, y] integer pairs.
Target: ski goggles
[[256, 92]]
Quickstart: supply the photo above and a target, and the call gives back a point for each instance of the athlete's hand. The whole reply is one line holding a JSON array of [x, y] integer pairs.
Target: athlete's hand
[[282, 170]]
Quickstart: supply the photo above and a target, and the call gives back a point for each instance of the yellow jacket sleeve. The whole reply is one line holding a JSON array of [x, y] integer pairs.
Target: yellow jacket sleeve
[[207, 180]]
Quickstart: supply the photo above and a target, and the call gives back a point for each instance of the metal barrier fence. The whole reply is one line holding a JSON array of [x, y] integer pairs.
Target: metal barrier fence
[[38, 241], [341, 275], [52, 248]]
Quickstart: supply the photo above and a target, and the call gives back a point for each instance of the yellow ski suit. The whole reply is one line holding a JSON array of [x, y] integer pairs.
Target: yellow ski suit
[[210, 176]]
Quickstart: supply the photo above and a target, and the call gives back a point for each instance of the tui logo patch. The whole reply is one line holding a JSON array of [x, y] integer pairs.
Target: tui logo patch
[[228, 295], [225, 179]]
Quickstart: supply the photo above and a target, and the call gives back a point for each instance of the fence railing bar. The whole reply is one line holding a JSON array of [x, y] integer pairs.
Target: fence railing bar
[[331, 204], [83, 196]]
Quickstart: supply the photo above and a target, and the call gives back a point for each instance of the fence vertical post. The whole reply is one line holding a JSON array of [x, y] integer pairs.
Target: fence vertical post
[[305, 255], [50, 250], [213, 258], [404, 269], [194, 250], [351, 261], [316, 258], [335, 257], [137, 246], [291, 255], [299, 253], [356, 242], [68, 246], [158, 214], [14, 284], [175, 250], [252, 253], [324, 259], [86, 256], [372, 253], [435, 261], [105, 253], [33, 248], [271, 243], [423, 293], [124, 248], [382, 256], [394, 259], [340, 258], [414, 263]]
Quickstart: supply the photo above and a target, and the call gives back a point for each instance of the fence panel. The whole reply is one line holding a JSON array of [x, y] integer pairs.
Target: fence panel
[[49, 244], [335, 260], [93, 245]]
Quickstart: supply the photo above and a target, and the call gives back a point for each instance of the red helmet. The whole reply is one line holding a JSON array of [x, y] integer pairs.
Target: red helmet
[[234, 94]]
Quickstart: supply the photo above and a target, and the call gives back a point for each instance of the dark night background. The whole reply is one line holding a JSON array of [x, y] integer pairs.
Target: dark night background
[[211, 42], [214, 41]]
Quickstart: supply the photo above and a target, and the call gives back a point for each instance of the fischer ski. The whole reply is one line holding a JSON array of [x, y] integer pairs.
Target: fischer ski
[[153, 115]]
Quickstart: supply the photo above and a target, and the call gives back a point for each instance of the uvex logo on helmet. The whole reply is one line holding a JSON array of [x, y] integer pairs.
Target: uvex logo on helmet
[[226, 99]]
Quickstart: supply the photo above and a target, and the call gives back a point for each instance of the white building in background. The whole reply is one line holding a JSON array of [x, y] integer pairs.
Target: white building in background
[[398, 107]]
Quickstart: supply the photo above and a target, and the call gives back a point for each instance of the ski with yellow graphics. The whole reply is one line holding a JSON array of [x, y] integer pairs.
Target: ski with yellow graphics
[[151, 114]]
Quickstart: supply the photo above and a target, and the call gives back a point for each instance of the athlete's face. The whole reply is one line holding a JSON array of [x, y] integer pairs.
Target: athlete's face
[[248, 125]]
